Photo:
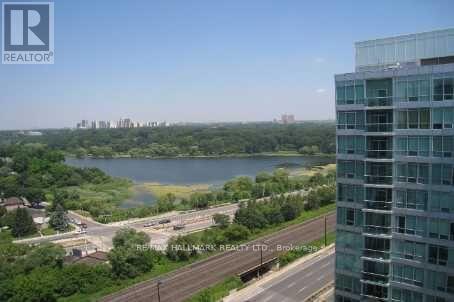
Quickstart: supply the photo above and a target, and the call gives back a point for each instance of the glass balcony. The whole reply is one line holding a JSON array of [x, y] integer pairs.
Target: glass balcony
[[379, 127], [374, 293], [378, 205], [379, 180], [374, 277], [377, 229], [379, 101], [385, 255], [380, 154]]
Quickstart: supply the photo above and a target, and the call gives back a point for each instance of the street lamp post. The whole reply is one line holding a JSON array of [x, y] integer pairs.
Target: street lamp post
[[261, 257], [158, 285]]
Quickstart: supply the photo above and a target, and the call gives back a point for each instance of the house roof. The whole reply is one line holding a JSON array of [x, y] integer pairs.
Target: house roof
[[13, 201], [92, 259]]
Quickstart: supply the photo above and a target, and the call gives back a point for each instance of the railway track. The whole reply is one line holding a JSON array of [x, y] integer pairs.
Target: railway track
[[183, 283]]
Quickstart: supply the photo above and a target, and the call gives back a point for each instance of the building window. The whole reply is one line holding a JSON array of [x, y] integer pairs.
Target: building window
[[412, 90], [412, 225], [350, 193], [351, 263], [404, 295], [350, 169], [442, 202], [412, 173], [349, 216], [411, 250], [408, 274], [350, 92], [443, 89], [442, 174], [413, 119], [440, 281], [351, 144], [348, 284], [411, 199], [438, 255], [443, 146], [443, 118], [350, 120], [349, 240], [441, 229]]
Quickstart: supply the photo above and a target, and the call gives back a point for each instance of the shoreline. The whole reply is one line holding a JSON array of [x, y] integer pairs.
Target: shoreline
[[239, 155]]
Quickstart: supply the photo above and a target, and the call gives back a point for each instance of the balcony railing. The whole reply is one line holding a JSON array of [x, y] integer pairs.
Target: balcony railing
[[379, 179], [377, 229], [378, 205], [374, 277], [379, 127], [380, 154], [418, 232], [376, 254], [379, 101]]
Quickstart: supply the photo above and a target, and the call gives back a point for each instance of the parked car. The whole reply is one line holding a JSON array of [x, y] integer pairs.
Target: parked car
[[178, 227], [164, 221], [149, 224]]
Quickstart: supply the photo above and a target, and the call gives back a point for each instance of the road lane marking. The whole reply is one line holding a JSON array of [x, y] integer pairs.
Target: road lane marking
[[325, 265], [304, 287], [268, 299], [291, 284]]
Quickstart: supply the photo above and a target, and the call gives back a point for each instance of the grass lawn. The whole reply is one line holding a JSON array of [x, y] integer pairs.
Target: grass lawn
[[180, 191], [305, 172]]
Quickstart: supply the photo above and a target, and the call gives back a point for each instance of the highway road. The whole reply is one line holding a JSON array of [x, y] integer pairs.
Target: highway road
[[295, 284], [183, 283]]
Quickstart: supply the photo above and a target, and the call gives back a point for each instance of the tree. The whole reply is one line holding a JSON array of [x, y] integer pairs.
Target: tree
[[290, 210], [221, 220], [58, 219], [131, 256], [181, 248], [128, 237], [2, 211], [262, 177], [22, 223], [236, 232], [129, 262], [166, 203], [45, 255], [251, 217]]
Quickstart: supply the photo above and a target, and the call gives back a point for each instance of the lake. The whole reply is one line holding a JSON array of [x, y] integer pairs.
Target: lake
[[183, 171], [188, 171]]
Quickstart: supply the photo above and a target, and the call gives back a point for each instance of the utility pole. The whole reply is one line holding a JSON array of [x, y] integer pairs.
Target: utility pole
[[159, 284], [325, 232]]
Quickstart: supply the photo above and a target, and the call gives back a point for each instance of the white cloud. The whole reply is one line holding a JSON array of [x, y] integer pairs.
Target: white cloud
[[319, 60], [320, 90]]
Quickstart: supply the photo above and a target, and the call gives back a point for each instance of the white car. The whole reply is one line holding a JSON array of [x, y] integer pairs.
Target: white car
[[81, 231]]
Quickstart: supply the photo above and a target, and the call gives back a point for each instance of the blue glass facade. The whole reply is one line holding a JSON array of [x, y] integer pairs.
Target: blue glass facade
[[395, 172]]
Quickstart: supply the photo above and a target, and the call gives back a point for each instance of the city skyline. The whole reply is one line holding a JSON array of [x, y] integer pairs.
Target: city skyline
[[271, 59]]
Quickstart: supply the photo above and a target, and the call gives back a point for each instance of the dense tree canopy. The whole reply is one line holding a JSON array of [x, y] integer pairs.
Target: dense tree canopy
[[308, 138]]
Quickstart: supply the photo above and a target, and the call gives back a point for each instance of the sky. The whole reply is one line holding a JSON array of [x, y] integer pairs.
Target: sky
[[201, 61]]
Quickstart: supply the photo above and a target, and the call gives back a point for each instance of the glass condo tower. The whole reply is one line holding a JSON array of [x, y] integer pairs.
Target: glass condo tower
[[395, 171]]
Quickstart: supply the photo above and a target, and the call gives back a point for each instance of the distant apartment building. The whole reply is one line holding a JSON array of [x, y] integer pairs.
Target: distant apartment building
[[287, 119], [122, 123], [395, 171]]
